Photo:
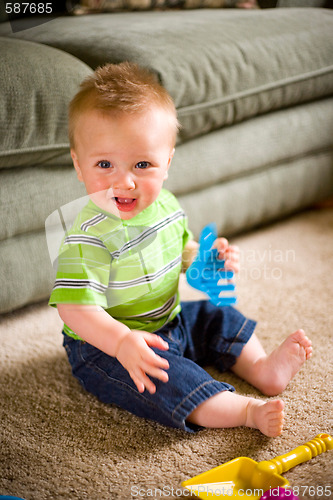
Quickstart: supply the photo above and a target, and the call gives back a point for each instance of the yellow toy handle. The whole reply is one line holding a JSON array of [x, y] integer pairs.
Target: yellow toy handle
[[318, 445]]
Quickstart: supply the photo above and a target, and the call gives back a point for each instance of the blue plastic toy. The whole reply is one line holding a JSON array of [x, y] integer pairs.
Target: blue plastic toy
[[207, 271], [6, 497]]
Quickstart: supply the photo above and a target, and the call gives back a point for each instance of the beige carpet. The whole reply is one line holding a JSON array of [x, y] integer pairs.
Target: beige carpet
[[57, 442]]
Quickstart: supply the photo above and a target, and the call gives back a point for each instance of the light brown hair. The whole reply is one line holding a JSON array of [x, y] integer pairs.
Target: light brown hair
[[120, 88]]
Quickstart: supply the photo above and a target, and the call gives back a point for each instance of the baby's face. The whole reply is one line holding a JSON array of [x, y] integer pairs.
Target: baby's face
[[124, 159]]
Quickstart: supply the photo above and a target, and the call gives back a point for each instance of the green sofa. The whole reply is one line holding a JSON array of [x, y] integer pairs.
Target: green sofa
[[253, 90]]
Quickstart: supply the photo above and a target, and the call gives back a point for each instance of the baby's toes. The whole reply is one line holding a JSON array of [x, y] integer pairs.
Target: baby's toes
[[308, 352], [275, 430], [299, 337], [276, 407], [275, 424], [306, 344]]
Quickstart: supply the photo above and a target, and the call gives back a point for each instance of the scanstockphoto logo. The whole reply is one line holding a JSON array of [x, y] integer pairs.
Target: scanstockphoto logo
[[225, 489], [219, 489], [269, 263], [213, 490], [23, 15]]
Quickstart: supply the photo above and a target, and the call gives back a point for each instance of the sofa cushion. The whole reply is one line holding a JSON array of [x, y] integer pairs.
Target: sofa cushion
[[36, 84], [28, 195], [253, 146], [221, 66]]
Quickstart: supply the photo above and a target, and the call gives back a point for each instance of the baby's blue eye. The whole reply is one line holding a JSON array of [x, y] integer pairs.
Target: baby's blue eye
[[142, 164], [104, 164]]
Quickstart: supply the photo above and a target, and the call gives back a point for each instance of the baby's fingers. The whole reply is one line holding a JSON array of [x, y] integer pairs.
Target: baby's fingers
[[154, 340], [155, 372], [152, 360], [229, 252], [233, 250], [232, 265], [140, 377], [154, 366], [232, 260], [143, 382], [221, 244]]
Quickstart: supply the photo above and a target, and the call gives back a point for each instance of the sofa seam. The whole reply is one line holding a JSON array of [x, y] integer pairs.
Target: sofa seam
[[190, 109]]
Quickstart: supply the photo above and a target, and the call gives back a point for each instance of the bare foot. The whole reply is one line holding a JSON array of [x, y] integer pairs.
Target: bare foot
[[276, 370], [267, 417]]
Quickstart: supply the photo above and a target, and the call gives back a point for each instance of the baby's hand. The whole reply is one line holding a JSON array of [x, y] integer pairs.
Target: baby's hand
[[229, 253], [135, 354]]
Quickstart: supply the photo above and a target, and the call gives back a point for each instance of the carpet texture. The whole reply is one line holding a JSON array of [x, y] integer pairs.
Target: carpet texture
[[57, 442]]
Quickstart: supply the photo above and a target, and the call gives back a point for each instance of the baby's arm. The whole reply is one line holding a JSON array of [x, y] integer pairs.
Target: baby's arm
[[130, 347], [189, 253]]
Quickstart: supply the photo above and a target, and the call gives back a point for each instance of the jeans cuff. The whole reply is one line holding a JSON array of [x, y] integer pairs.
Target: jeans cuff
[[208, 389]]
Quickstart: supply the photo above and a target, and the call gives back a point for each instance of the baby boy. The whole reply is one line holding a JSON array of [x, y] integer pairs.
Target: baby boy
[[129, 338]]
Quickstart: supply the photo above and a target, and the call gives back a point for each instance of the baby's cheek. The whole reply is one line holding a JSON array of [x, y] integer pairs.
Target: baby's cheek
[[152, 187]]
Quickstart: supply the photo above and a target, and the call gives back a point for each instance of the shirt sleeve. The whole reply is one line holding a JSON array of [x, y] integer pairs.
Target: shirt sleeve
[[188, 235], [83, 272], [175, 205]]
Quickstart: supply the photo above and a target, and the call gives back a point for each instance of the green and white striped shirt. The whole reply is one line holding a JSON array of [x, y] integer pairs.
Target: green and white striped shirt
[[129, 267]]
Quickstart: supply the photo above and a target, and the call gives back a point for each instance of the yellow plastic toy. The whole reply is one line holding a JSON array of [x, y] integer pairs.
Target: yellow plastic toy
[[245, 478]]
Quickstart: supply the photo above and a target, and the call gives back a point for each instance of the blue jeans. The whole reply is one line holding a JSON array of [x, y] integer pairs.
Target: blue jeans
[[202, 334]]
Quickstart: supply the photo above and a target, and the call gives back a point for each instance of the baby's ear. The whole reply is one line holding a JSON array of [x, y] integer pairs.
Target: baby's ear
[[76, 165], [171, 156], [169, 163]]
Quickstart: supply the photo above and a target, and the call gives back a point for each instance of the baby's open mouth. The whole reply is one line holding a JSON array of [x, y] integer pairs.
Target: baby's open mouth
[[124, 204]]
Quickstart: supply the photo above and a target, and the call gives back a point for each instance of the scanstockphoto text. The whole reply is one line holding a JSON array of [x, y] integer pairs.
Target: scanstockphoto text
[[192, 491], [267, 264]]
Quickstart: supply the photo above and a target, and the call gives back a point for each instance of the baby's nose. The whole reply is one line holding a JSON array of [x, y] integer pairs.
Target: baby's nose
[[124, 181]]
